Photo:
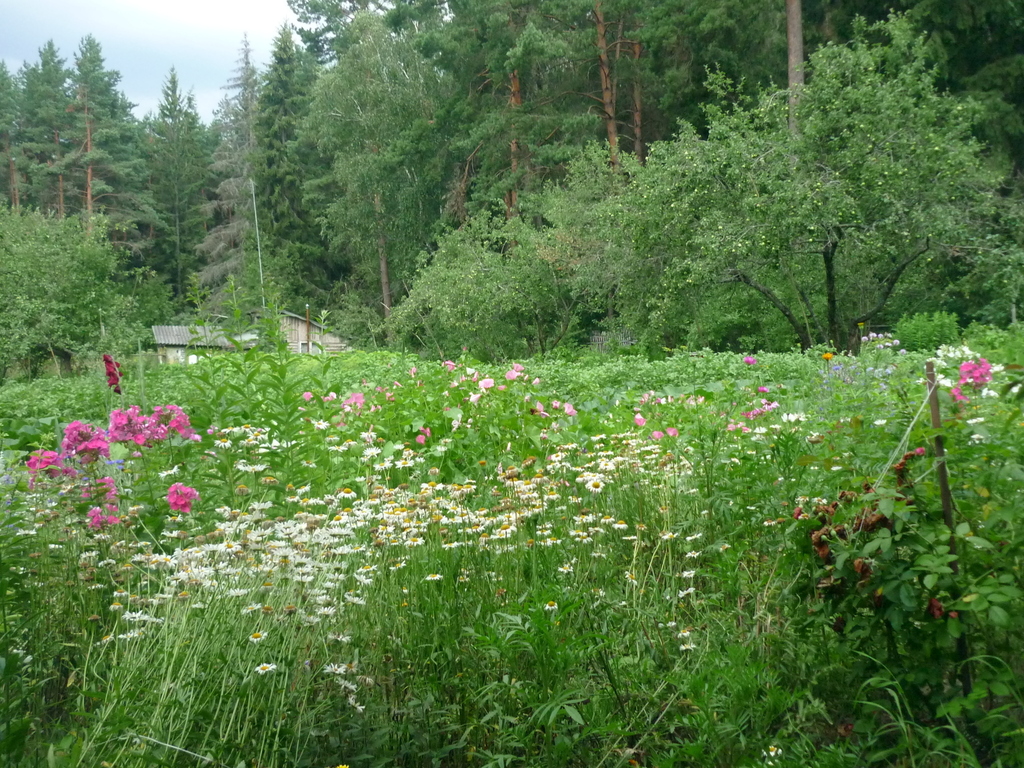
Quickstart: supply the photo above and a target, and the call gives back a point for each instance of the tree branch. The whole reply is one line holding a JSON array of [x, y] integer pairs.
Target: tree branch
[[890, 282]]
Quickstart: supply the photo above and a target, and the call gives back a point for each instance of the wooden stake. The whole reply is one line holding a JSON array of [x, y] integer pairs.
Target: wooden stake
[[962, 652]]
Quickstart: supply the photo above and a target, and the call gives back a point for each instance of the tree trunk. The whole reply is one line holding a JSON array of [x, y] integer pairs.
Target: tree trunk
[[88, 169], [607, 88], [515, 100], [828, 253], [13, 174], [795, 40], [639, 148], [60, 177], [382, 254]]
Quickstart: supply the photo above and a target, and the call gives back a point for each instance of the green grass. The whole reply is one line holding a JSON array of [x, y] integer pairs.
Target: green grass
[[456, 574]]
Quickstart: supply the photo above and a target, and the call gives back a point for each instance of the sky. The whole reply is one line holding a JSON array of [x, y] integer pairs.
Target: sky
[[143, 39]]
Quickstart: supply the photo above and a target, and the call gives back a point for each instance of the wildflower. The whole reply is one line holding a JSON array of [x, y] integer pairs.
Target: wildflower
[[113, 371], [257, 637], [639, 420], [263, 669], [827, 356], [551, 605], [434, 577], [750, 360], [486, 384], [180, 497]]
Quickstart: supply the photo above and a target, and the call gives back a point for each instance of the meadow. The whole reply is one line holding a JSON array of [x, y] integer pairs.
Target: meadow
[[272, 561]]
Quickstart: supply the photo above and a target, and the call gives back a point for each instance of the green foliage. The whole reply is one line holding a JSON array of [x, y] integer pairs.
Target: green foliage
[[823, 222], [496, 577], [926, 332], [78, 308]]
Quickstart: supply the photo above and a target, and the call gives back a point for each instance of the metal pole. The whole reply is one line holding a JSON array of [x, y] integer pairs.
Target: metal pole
[[259, 251]]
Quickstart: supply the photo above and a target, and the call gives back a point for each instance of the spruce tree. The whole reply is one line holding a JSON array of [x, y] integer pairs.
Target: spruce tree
[[179, 169], [295, 254], [223, 248]]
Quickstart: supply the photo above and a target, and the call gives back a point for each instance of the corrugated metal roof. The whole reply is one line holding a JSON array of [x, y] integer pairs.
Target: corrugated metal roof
[[189, 336]]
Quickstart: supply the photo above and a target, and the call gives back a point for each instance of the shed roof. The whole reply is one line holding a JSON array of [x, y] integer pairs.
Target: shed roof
[[190, 336]]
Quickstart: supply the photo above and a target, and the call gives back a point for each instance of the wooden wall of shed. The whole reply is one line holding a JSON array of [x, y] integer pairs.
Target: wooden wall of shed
[[294, 330]]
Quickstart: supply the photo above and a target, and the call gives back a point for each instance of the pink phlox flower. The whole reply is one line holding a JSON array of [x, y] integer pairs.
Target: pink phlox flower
[[109, 488], [977, 374], [356, 399], [307, 396], [329, 397], [180, 497], [98, 520], [48, 462], [958, 395], [170, 418], [919, 451], [421, 439], [85, 442], [750, 360], [762, 389]]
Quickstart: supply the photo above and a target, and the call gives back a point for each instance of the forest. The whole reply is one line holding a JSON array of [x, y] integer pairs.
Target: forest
[[508, 178]]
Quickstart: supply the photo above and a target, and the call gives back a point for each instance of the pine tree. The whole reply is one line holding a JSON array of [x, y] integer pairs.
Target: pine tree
[[107, 172], [45, 119], [10, 97]]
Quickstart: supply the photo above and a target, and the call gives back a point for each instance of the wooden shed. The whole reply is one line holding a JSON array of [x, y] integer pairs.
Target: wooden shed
[[174, 342], [308, 336]]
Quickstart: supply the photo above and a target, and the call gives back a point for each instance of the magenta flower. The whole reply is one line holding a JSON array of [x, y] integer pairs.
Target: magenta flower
[[750, 360], [762, 389], [180, 497], [307, 396], [421, 439], [98, 520]]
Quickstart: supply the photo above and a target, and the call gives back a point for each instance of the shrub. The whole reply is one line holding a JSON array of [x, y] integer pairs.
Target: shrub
[[925, 332]]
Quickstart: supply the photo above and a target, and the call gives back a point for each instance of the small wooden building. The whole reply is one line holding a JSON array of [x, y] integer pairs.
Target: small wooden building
[[176, 343], [308, 336]]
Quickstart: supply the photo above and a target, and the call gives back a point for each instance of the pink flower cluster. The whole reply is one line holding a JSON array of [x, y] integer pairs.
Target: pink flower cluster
[[180, 497], [131, 426], [49, 462], [98, 520], [85, 442], [765, 407], [976, 374]]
